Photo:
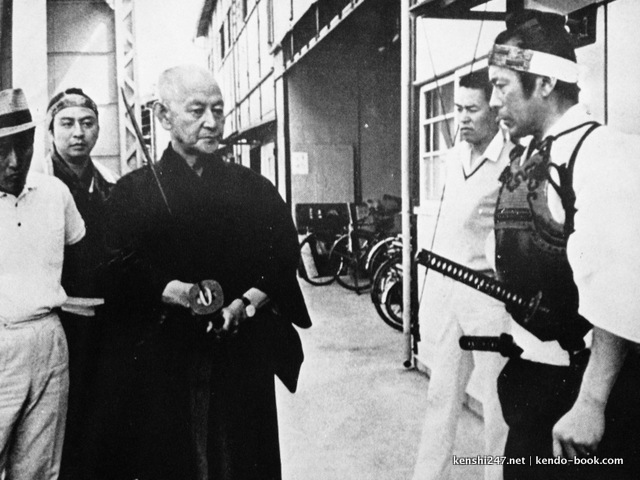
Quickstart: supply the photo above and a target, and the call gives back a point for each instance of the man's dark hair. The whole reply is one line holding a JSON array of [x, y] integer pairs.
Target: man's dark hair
[[543, 32], [477, 81]]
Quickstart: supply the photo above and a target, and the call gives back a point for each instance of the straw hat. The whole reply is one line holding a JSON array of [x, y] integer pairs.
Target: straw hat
[[15, 116]]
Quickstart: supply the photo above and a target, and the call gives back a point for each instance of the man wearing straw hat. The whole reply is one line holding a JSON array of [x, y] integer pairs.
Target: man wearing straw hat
[[38, 217]]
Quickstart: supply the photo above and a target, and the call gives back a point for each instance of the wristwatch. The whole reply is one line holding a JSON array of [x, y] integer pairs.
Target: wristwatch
[[249, 309]]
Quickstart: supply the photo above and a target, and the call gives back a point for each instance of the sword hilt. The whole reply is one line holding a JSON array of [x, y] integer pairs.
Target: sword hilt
[[503, 344], [531, 311], [474, 279]]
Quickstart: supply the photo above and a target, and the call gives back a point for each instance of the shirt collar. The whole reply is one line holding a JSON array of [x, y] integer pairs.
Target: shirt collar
[[29, 185], [576, 115], [491, 153]]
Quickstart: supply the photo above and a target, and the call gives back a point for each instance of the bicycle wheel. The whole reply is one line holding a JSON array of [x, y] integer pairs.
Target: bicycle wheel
[[351, 259], [381, 252], [315, 265], [386, 292], [393, 305]]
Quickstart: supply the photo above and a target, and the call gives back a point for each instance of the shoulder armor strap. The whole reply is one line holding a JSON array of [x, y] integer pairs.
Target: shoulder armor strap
[[565, 174]]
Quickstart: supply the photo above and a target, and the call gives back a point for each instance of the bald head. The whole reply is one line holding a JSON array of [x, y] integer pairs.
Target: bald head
[[176, 82], [191, 108]]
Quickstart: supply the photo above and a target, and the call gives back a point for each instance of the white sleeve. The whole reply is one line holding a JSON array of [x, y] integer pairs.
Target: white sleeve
[[73, 222], [604, 250]]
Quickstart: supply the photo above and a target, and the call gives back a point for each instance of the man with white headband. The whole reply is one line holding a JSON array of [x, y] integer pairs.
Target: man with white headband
[[73, 127], [565, 226]]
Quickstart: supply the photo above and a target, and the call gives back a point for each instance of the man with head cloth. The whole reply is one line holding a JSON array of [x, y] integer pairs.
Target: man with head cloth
[[73, 128], [37, 219], [566, 229], [207, 402]]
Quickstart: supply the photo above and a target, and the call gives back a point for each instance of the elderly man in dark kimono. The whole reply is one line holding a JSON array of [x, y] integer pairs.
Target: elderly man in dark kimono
[[205, 402]]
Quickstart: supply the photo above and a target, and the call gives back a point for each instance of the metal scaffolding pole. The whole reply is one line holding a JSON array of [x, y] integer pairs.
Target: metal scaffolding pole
[[405, 169]]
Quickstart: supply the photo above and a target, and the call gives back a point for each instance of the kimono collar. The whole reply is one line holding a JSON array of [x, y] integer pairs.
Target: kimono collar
[[70, 177]]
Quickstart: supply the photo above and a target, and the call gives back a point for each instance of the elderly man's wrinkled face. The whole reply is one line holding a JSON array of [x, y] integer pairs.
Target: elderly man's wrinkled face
[[16, 152], [195, 118], [75, 133]]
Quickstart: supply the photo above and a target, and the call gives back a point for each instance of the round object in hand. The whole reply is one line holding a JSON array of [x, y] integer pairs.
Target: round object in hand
[[206, 297]]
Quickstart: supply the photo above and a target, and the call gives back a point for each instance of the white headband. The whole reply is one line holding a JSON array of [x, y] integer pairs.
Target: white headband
[[532, 61]]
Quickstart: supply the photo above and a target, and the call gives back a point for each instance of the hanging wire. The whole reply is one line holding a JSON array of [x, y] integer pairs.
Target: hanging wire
[[475, 50], [451, 139]]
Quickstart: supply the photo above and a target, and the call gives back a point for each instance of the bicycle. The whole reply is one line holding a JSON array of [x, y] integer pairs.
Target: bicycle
[[316, 266], [351, 251], [323, 224], [382, 251], [386, 292]]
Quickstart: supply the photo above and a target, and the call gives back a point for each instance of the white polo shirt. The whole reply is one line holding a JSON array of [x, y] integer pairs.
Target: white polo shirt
[[34, 229], [466, 219]]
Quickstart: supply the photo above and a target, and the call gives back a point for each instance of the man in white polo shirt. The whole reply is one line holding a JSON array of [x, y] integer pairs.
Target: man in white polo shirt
[[466, 222], [38, 217]]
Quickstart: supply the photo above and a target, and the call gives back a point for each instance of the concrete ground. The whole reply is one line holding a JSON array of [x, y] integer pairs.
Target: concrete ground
[[358, 412]]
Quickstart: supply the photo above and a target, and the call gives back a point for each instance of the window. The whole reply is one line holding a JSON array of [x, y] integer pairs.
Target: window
[[270, 27], [245, 10], [436, 136], [147, 128], [222, 39]]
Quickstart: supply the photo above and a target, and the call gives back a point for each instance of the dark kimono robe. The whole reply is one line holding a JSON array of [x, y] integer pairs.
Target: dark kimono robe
[[83, 262], [82, 274], [195, 405]]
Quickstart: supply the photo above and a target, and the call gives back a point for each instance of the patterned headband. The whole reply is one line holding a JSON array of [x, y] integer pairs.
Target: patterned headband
[[532, 61], [72, 97]]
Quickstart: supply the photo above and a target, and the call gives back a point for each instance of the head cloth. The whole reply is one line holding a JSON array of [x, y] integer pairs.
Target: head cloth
[[71, 97], [532, 61]]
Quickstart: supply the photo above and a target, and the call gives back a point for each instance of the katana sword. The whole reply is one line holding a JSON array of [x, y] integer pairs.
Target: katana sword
[[528, 310], [483, 283]]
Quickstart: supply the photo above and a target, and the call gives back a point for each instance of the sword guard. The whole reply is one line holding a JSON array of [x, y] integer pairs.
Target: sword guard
[[206, 297]]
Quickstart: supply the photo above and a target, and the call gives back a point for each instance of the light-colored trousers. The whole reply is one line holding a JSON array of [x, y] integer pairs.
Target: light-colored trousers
[[34, 384], [463, 311]]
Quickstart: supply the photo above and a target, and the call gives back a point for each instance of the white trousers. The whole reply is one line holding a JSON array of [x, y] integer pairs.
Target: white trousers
[[34, 384], [463, 312]]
